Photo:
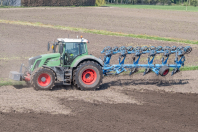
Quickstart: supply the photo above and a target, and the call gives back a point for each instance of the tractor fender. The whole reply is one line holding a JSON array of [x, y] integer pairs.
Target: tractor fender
[[79, 59], [58, 72]]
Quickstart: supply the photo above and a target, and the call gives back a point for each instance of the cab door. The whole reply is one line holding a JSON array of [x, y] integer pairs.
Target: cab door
[[73, 50]]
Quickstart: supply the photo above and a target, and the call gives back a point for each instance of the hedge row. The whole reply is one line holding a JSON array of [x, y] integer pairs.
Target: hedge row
[[58, 2]]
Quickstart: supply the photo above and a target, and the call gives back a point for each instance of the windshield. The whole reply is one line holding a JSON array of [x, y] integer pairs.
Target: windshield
[[74, 49]]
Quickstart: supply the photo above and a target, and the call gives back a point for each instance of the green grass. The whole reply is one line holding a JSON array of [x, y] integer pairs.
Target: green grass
[[8, 7], [101, 32], [185, 68], [158, 7], [10, 82], [189, 68], [13, 6]]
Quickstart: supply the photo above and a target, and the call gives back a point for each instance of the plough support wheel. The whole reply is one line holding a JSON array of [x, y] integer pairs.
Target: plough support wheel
[[164, 70]]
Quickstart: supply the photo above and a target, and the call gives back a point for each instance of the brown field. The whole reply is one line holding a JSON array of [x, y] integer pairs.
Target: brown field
[[123, 103], [175, 24]]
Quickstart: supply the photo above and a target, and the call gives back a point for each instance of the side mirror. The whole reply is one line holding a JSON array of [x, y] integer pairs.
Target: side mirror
[[60, 48], [48, 46]]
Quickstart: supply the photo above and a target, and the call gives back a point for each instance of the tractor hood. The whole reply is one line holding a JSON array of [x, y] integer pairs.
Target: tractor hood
[[50, 60], [52, 55]]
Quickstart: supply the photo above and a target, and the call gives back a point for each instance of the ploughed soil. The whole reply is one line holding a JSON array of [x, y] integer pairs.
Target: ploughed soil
[[159, 111], [175, 24], [122, 103]]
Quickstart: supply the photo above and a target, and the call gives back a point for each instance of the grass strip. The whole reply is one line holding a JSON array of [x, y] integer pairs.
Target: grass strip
[[100, 32], [185, 68], [9, 82], [10, 7], [189, 68], [157, 7]]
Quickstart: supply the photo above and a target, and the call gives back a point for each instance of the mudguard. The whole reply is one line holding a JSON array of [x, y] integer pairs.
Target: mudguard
[[86, 57]]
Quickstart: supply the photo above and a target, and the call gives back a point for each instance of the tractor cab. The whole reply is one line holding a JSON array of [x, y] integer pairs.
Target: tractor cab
[[70, 49]]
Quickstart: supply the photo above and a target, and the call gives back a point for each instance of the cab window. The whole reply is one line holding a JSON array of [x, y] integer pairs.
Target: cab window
[[72, 50], [83, 48]]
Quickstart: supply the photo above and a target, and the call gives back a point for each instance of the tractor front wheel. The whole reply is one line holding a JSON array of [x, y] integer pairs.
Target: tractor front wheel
[[42, 79], [88, 75]]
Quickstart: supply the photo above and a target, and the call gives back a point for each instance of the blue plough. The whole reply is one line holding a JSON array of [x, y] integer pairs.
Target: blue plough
[[162, 69]]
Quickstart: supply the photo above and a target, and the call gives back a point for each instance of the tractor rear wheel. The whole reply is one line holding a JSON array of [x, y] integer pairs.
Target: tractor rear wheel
[[42, 79], [88, 75], [164, 70]]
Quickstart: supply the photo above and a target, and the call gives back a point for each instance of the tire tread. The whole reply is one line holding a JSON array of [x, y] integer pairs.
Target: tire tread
[[81, 66], [35, 72]]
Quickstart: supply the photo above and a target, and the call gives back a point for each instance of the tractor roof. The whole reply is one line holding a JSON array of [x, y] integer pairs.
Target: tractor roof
[[72, 40]]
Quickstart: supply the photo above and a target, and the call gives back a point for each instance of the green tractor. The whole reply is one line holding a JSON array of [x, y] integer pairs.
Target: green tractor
[[69, 64]]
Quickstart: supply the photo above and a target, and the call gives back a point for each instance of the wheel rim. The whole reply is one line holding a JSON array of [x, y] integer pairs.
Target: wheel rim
[[44, 79], [166, 72], [89, 76]]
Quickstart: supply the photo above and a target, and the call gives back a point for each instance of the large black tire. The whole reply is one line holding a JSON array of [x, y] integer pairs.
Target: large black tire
[[164, 70], [42, 79], [88, 75], [74, 85]]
